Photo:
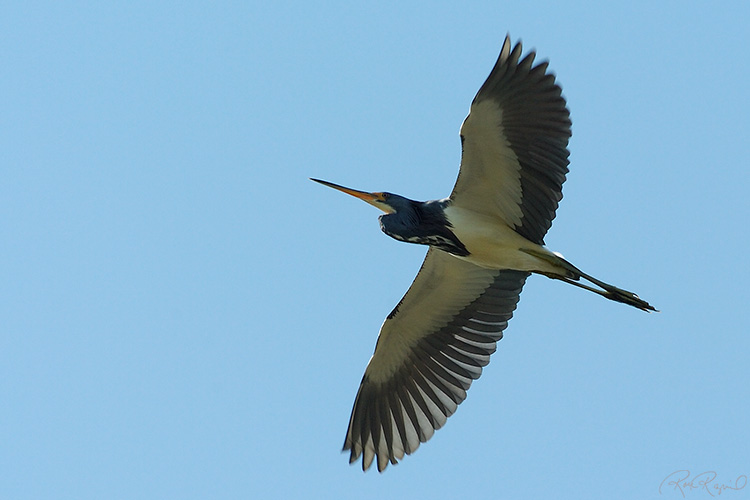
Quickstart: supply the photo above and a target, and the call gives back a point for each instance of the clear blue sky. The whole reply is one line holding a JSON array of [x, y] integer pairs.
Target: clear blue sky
[[185, 315]]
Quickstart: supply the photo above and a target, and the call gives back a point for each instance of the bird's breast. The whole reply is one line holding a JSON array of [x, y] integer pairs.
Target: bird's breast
[[493, 244]]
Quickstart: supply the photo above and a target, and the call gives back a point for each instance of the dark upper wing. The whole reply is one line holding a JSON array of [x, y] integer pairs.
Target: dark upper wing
[[514, 141], [429, 350]]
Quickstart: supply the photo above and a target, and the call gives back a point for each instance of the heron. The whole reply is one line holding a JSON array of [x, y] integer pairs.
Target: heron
[[484, 240]]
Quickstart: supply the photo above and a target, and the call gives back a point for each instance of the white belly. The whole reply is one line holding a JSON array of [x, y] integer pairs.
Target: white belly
[[494, 245]]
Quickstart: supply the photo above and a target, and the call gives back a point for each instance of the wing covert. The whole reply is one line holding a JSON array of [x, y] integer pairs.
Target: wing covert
[[430, 349]]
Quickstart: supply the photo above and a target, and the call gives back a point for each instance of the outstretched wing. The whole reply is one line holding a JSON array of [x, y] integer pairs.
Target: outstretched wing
[[430, 349], [514, 141]]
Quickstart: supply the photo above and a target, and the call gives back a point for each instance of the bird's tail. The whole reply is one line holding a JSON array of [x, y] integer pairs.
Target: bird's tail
[[573, 276]]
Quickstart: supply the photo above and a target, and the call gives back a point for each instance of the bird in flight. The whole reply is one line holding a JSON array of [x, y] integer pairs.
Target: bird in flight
[[484, 240]]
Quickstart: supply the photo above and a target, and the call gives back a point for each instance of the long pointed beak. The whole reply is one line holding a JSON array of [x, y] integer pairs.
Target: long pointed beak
[[375, 199]]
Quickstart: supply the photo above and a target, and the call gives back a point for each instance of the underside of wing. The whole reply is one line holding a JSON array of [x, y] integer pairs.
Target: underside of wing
[[430, 349], [514, 142]]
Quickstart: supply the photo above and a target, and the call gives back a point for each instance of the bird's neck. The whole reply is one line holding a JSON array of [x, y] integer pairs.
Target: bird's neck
[[423, 224]]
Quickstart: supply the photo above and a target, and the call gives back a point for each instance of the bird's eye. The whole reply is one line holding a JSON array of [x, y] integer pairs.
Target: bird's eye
[[384, 196]]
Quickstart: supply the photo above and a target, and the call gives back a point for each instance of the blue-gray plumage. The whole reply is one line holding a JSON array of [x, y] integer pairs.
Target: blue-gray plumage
[[422, 223], [485, 239]]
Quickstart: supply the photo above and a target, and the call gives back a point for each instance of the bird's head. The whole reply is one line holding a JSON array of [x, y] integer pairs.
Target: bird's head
[[387, 202]]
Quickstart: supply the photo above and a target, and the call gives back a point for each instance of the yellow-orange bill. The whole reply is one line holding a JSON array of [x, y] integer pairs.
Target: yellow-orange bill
[[362, 195]]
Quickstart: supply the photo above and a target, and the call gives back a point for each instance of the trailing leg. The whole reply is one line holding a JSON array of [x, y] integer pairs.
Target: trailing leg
[[572, 275]]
